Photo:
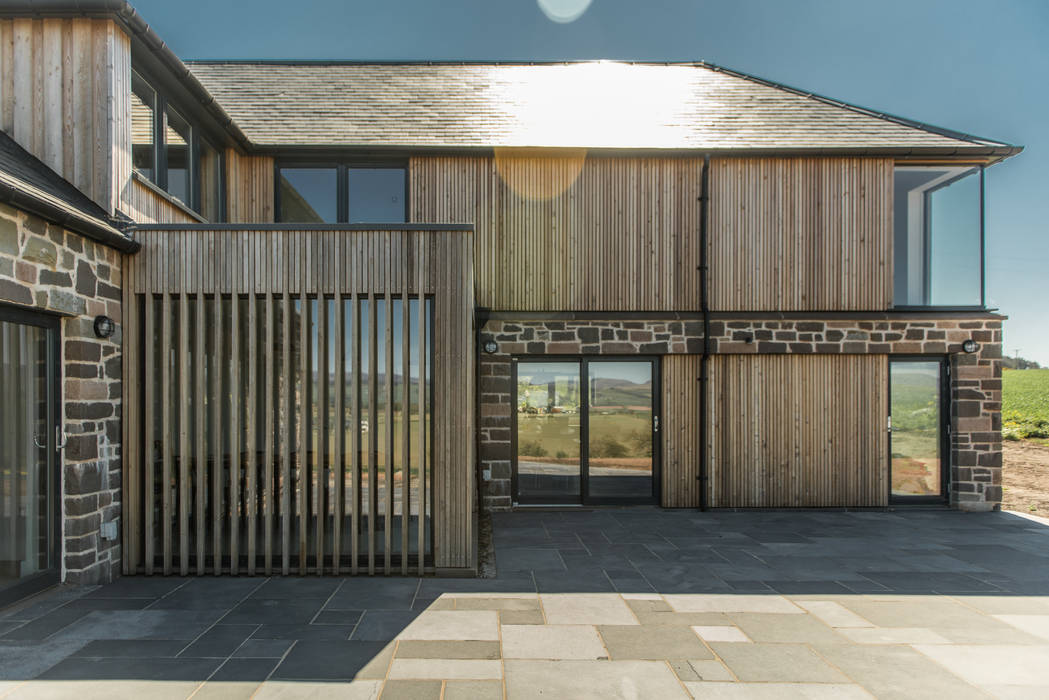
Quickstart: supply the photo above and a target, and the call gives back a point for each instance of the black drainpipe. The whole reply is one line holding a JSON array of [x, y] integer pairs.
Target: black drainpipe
[[704, 283]]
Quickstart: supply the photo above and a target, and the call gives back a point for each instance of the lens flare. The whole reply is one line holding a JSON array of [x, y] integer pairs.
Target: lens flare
[[539, 174], [563, 11]]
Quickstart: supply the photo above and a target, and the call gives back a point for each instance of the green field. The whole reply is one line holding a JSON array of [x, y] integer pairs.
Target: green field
[[1025, 404]]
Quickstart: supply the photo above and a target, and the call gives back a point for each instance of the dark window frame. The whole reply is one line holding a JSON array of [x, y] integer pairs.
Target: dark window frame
[[342, 167], [926, 244], [196, 140], [585, 499], [945, 431]]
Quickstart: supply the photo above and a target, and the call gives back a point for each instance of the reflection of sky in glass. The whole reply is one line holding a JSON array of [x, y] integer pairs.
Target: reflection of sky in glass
[[955, 242]]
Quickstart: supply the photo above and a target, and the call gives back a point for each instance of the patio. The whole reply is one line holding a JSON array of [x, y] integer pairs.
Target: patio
[[625, 603]]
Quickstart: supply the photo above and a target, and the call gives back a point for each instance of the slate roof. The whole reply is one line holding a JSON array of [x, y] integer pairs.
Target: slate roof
[[597, 104], [28, 183]]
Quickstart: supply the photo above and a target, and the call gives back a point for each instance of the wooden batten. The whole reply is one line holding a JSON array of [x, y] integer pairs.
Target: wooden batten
[[259, 341], [801, 234], [681, 439], [64, 97], [613, 234], [249, 187], [789, 431]]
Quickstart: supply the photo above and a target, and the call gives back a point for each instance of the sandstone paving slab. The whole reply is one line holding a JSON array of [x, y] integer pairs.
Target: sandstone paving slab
[[790, 663], [777, 691], [779, 627], [454, 625], [988, 664], [521, 617], [726, 603], [440, 669], [585, 680], [411, 690], [896, 672], [226, 690], [1037, 625], [102, 690], [1007, 605], [418, 649], [285, 690], [652, 642], [473, 690], [720, 633], [586, 609], [665, 619], [708, 670], [833, 613], [552, 642], [926, 611], [496, 603], [894, 635]]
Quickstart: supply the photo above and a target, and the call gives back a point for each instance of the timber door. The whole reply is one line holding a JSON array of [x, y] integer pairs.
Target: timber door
[[585, 431], [29, 453]]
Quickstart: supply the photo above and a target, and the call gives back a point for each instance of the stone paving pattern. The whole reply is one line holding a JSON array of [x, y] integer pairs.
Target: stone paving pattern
[[624, 603]]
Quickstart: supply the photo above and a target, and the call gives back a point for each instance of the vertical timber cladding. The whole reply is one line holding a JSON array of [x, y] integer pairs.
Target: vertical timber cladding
[[561, 230], [681, 387], [271, 509], [801, 234], [798, 430]]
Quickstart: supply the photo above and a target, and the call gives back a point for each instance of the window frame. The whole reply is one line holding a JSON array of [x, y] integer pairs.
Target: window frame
[[342, 167], [926, 260], [197, 137]]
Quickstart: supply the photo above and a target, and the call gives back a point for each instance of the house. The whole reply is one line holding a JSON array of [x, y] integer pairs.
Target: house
[[311, 317]]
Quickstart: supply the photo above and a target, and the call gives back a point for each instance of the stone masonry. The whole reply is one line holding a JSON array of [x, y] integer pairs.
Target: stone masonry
[[47, 268], [976, 379]]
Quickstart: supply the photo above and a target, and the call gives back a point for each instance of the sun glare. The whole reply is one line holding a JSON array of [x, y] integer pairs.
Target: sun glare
[[563, 11]]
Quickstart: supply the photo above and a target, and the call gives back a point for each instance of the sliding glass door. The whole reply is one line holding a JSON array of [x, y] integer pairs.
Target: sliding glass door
[[585, 431], [28, 453]]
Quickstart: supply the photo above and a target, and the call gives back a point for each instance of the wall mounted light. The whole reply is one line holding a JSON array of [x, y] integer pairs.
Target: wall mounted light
[[104, 326], [491, 347], [970, 346]]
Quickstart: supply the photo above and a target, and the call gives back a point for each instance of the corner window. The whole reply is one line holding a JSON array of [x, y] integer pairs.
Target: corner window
[[342, 193], [309, 195], [171, 152], [143, 111], [938, 236]]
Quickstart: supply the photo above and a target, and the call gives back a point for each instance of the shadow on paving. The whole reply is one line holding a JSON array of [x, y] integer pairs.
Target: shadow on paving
[[239, 636]]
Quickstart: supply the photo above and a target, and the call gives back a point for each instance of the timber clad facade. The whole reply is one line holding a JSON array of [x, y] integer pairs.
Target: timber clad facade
[[342, 333]]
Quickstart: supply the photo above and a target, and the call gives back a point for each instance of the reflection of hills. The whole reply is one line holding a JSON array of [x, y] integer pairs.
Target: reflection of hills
[[380, 383], [623, 392]]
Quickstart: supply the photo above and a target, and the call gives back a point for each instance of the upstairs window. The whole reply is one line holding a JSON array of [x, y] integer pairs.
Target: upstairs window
[[143, 118], [938, 237], [342, 193], [171, 152]]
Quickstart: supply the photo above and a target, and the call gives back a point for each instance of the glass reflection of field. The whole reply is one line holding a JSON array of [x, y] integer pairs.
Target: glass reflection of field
[[916, 430], [619, 439]]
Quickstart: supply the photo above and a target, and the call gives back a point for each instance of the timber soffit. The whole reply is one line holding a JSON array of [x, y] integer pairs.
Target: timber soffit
[[698, 106], [29, 184]]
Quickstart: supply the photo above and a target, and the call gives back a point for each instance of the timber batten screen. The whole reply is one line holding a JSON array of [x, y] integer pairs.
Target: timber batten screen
[[264, 343]]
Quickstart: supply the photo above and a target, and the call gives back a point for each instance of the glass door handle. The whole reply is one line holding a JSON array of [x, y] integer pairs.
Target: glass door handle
[[655, 424], [60, 439]]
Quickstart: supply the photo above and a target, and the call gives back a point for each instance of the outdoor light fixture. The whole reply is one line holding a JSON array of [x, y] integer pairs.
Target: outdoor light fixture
[[970, 346], [104, 326], [491, 347]]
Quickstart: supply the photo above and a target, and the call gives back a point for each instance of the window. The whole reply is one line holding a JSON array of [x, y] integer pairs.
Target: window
[[309, 195], [143, 109], [171, 152], [938, 240], [359, 194], [176, 140], [376, 195]]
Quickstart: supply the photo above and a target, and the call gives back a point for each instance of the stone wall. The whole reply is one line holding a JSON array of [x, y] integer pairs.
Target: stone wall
[[47, 268], [975, 378]]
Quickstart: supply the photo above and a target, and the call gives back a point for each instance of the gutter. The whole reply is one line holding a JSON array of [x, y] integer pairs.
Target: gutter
[[704, 374], [126, 16], [28, 198]]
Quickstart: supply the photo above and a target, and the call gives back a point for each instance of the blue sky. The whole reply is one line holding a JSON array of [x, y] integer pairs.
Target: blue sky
[[970, 65]]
